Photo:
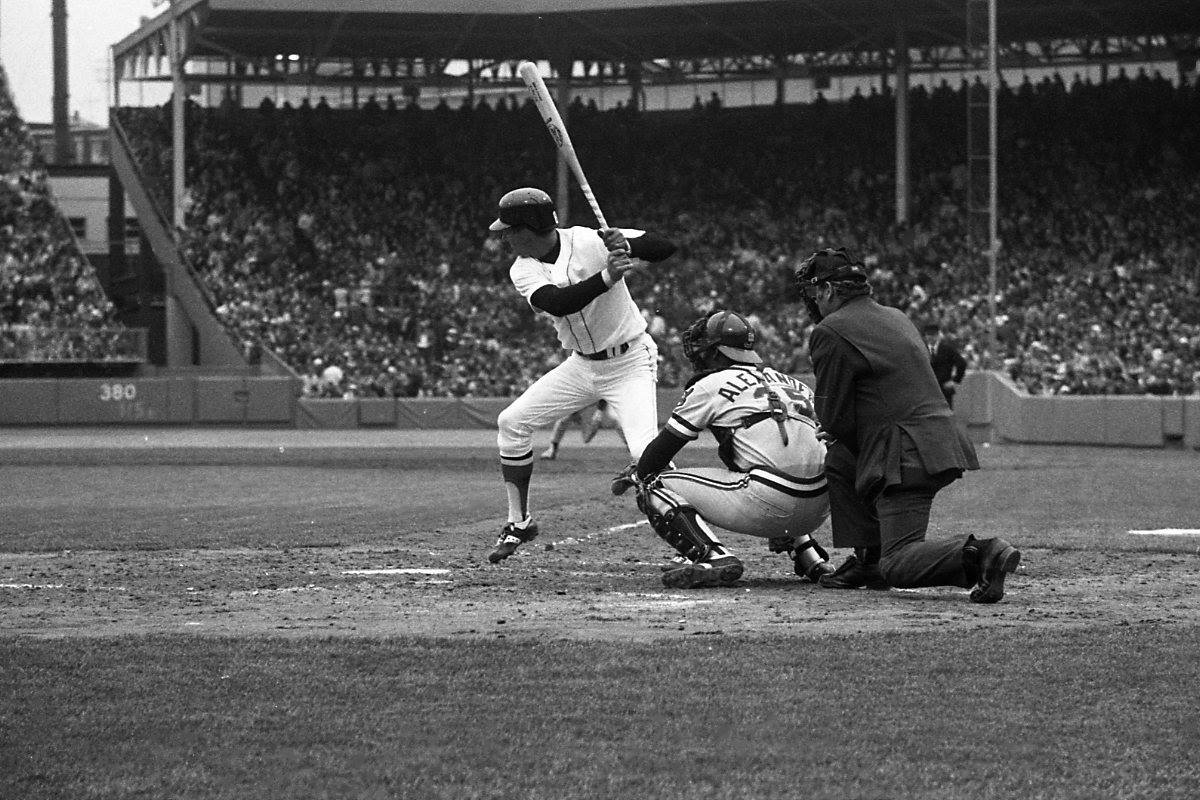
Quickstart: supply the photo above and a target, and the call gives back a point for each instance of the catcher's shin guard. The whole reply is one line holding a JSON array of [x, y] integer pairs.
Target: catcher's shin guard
[[678, 524], [808, 554]]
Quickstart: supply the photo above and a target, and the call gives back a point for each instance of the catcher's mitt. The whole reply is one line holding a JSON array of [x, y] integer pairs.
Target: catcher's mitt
[[626, 480]]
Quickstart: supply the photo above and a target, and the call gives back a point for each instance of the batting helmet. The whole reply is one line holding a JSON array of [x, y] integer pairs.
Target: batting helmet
[[725, 332], [829, 265], [526, 208]]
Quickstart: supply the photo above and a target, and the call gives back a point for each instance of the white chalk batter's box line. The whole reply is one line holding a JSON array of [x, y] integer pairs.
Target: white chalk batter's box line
[[1168, 532], [40, 586], [613, 529]]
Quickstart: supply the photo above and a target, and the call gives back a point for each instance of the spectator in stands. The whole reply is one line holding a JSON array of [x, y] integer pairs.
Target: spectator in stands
[[1095, 298], [949, 366]]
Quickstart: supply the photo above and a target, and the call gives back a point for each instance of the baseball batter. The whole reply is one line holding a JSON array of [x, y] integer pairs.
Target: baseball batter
[[576, 275], [772, 484]]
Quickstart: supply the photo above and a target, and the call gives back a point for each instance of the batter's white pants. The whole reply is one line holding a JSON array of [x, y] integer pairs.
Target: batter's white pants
[[760, 502], [628, 382]]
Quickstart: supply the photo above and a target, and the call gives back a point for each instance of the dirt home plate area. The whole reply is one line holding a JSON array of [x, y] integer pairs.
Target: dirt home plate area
[[593, 574]]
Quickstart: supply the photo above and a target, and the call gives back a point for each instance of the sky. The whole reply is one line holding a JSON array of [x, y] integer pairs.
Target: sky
[[92, 27]]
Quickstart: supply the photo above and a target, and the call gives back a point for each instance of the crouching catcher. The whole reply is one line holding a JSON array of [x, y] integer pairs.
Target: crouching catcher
[[771, 483]]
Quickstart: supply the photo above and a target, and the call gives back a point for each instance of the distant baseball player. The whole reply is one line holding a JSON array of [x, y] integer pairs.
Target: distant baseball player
[[576, 275], [772, 483], [588, 428]]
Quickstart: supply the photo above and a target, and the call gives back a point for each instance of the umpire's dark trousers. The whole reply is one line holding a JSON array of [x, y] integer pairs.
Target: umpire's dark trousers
[[895, 522]]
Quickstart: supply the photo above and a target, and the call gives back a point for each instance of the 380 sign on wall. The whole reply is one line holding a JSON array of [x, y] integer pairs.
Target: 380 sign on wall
[[110, 400], [117, 392]]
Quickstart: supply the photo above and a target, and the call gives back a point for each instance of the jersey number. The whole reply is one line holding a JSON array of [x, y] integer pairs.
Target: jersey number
[[798, 400]]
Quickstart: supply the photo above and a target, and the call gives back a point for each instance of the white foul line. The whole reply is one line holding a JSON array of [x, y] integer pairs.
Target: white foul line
[[395, 572], [1169, 532], [629, 525]]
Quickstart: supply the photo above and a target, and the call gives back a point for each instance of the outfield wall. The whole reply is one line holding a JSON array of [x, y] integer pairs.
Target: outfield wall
[[991, 407]]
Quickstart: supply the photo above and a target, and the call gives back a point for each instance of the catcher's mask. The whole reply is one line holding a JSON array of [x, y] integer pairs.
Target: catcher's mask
[[724, 332], [526, 208]]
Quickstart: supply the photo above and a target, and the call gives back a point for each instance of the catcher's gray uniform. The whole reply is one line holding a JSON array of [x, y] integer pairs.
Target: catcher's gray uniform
[[773, 480]]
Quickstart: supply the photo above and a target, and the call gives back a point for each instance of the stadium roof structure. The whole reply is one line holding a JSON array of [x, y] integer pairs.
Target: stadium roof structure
[[832, 35]]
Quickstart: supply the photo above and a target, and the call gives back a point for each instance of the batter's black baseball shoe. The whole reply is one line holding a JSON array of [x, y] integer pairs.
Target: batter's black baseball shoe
[[719, 571], [853, 574], [512, 537], [994, 558]]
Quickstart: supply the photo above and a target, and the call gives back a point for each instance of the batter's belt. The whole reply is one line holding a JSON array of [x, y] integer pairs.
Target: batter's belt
[[611, 352]]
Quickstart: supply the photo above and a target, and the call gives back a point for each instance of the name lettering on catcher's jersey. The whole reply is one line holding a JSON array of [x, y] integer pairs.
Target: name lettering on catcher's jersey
[[737, 405]]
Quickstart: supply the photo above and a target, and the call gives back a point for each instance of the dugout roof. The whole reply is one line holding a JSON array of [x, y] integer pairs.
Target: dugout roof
[[627, 30]]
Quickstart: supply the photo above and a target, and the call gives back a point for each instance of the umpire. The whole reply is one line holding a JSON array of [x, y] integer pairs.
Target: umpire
[[895, 442]]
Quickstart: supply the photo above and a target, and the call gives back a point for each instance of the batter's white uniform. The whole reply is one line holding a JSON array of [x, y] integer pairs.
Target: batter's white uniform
[[612, 358], [767, 488]]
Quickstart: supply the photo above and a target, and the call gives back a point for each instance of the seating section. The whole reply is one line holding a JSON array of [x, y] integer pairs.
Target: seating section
[[353, 243], [52, 307]]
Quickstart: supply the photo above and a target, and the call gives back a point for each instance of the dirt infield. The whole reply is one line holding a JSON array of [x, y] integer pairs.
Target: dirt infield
[[562, 593], [593, 574]]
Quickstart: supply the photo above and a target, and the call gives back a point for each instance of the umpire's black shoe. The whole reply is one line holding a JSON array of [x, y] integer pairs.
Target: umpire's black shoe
[[853, 574], [993, 558], [512, 537]]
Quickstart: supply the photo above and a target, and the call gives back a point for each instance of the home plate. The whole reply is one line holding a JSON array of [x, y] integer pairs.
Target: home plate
[[395, 572], [1169, 532]]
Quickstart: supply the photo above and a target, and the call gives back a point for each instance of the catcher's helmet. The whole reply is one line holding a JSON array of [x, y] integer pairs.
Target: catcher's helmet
[[725, 332], [526, 208], [829, 265]]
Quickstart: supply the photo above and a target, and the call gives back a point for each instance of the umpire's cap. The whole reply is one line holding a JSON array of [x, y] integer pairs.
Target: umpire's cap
[[526, 208], [829, 265]]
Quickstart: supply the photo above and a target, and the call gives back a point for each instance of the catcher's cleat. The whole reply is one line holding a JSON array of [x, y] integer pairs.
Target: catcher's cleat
[[804, 567], [853, 574], [676, 562], [996, 558], [720, 571], [814, 573], [550, 453], [512, 537]]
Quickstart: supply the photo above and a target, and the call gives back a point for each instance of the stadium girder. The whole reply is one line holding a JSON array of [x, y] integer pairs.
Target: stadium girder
[[365, 42]]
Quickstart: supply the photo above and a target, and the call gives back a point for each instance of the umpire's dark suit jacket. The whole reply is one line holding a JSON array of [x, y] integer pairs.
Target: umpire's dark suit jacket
[[875, 384]]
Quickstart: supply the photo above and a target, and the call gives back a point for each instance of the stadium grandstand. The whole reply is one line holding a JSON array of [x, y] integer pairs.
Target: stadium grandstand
[[54, 316], [342, 160]]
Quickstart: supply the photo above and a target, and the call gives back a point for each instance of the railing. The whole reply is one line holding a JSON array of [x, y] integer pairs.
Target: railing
[[154, 191], [21, 344], [185, 283]]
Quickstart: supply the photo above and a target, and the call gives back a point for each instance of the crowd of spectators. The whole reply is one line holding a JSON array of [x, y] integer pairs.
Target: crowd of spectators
[[52, 307], [352, 243]]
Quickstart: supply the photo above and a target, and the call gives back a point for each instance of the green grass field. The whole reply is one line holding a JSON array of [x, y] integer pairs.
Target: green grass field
[[987, 703]]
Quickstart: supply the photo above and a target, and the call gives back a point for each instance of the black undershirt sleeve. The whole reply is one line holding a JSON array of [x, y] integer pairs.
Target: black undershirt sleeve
[[562, 300], [651, 247], [658, 454]]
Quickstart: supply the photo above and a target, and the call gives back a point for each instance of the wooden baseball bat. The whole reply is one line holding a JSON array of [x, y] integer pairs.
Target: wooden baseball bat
[[558, 131]]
